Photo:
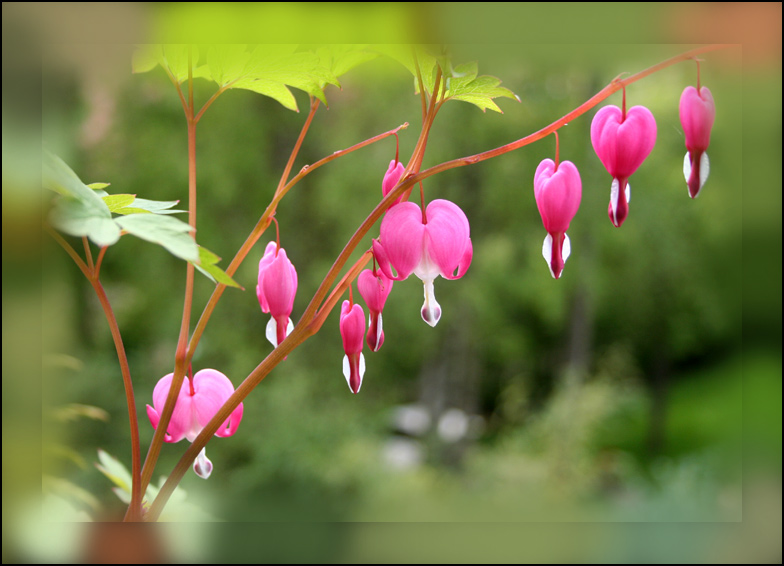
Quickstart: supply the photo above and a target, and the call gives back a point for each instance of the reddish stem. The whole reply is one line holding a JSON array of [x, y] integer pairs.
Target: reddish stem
[[556, 149]]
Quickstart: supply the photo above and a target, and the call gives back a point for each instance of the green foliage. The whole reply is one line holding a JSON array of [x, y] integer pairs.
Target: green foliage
[[86, 210], [268, 69], [178, 508], [462, 82]]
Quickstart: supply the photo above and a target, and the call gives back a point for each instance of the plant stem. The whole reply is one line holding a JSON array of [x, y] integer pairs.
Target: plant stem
[[180, 361], [91, 273]]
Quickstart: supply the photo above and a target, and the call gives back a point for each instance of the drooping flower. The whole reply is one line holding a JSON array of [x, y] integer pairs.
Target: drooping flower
[[392, 178], [622, 143], [276, 290], [558, 193], [199, 399], [374, 288], [437, 243], [697, 112], [352, 330]]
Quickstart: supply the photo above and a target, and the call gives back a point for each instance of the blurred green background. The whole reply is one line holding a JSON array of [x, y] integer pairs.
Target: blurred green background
[[613, 394]]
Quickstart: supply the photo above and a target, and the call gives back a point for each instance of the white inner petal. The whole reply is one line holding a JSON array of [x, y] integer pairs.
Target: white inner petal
[[431, 310], [379, 329], [614, 198], [704, 169], [547, 252], [361, 370], [686, 167], [202, 465], [628, 193], [347, 371], [567, 248], [272, 332]]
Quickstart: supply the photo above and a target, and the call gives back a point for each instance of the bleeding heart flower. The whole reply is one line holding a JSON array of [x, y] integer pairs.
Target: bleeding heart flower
[[697, 112], [276, 290], [558, 193], [352, 330], [374, 288], [437, 243], [392, 178], [199, 399], [622, 143]]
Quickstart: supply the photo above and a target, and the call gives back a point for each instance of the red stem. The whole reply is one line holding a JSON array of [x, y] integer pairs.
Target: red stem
[[91, 273]]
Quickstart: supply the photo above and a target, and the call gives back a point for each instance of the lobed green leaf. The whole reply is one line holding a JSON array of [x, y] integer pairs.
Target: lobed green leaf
[[167, 231]]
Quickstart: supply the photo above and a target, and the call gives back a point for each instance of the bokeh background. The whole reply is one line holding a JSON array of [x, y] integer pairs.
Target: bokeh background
[[616, 394]]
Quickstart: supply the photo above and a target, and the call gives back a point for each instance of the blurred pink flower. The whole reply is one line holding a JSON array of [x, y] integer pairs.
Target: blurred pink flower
[[697, 112]]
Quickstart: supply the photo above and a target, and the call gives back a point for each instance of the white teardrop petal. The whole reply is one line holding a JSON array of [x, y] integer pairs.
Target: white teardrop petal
[[686, 167], [704, 169], [547, 252], [272, 332], [361, 370], [614, 188], [628, 192], [202, 465], [347, 371], [289, 328], [567, 248], [431, 310]]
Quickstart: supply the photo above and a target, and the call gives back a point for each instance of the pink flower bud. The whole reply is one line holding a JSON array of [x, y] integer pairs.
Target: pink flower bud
[[352, 330], [697, 112], [375, 289], [392, 178], [276, 290], [622, 144], [558, 193]]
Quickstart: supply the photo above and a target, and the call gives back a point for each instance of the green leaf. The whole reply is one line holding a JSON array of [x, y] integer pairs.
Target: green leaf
[[79, 211], [339, 59], [272, 89], [226, 63], [206, 266], [116, 202], [98, 186], [480, 91], [146, 58], [175, 58], [140, 205], [167, 231], [115, 471]]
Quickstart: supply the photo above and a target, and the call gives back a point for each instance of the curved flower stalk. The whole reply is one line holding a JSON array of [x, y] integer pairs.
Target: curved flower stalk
[[558, 190], [352, 330], [276, 290], [392, 178], [374, 287], [429, 245], [622, 140], [199, 399], [697, 112]]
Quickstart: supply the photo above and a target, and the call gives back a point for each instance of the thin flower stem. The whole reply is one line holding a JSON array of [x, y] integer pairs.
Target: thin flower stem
[[88, 254], [314, 316], [99, 261], [207, 104], [181, 361], [135, 508]]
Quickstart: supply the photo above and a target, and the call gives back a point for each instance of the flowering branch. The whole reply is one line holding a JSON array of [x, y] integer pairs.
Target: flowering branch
[[315, 313]]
